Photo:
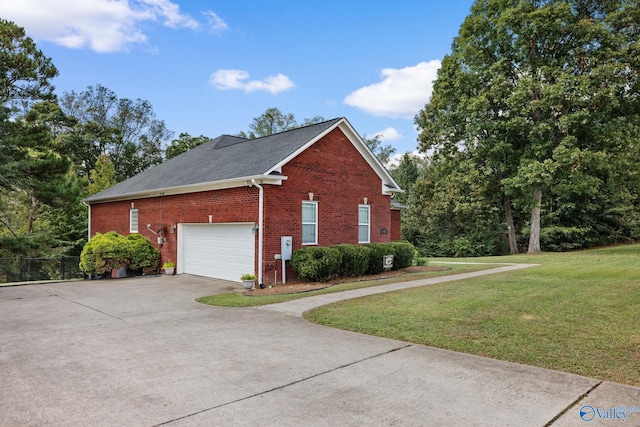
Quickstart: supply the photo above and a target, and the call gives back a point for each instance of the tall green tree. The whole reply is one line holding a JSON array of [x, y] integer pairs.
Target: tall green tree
[[273, 121], [540, 92], [184, 143], [103, 176], [126, 130]]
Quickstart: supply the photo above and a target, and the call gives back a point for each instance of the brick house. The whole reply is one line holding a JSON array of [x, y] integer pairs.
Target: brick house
[[230, 206]]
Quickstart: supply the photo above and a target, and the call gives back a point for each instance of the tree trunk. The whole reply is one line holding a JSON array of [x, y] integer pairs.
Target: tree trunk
[[513, 243], [534, 236], [32, 213]]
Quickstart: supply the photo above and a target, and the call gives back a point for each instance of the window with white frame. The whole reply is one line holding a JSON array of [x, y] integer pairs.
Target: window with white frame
[[133, 220], [309, 223], [364, 224]]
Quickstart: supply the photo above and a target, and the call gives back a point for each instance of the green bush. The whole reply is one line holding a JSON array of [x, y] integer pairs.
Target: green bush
[[316, 263], [143, 255], [104, 252], [355, 260], [109, 251], [378, 251], [403, 254]]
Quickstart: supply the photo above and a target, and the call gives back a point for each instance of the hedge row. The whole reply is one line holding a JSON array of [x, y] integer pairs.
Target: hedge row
[[322, 263], [109, 251]]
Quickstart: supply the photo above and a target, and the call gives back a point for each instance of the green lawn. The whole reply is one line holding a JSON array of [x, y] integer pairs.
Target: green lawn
[[237, 299], [577, 312]]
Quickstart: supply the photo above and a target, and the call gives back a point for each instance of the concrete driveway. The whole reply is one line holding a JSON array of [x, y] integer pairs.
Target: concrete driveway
[[142, 352]]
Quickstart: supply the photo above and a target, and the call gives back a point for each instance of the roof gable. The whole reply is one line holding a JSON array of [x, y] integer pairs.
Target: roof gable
[[230, 161]]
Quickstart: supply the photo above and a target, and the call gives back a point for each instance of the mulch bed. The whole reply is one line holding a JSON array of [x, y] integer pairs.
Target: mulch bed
[[298, 286]]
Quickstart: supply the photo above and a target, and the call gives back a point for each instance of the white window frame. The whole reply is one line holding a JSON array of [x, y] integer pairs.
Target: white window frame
[[133, 220], [367, 224], [314, 223]]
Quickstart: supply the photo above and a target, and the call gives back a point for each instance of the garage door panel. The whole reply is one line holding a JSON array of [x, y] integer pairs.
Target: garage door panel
[[223, 251]]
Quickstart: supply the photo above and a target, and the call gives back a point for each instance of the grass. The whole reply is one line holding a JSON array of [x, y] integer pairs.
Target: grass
[[577, 312], [237, 299]]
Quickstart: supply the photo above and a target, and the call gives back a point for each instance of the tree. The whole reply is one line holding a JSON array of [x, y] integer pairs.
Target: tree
[[184, 143], [406, 174], [537, 92], [25, 73], [382, 152], [103, 176], [125, 130], [274, 121]]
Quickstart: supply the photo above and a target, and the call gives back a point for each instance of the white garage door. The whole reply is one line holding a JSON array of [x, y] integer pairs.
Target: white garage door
[[221, 251]]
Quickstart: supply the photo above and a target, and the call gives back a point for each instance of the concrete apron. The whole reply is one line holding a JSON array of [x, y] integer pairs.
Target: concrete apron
[[145, 353]]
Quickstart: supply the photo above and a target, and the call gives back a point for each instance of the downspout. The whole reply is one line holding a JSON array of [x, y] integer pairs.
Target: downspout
[[88, 219], [260, 224]]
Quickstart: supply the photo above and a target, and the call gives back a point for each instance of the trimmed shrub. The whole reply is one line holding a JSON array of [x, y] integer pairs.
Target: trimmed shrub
[[355, 259], [316, 263], [378, 251], [109, 251], [143, 254], [403, 254], [104, 252]]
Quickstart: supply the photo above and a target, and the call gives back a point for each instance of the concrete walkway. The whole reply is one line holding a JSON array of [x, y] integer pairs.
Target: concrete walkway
[[142, 352], [299, 306]]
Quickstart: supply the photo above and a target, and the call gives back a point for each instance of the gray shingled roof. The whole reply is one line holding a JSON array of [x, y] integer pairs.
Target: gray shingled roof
[[223, 158]]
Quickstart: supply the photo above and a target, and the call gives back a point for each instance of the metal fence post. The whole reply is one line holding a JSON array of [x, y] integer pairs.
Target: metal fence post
[[62, 266], [21, 268]]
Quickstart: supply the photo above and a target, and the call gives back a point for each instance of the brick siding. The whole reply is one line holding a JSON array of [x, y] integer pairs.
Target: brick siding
[[331, 168]]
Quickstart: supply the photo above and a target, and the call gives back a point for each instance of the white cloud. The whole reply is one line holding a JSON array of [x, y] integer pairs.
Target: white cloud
[[389, 134], [237, 79], [401, 93], [101, 25], [397, 157], [216, 23]]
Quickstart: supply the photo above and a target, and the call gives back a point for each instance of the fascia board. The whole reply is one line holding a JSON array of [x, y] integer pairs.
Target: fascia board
[[193, 188]]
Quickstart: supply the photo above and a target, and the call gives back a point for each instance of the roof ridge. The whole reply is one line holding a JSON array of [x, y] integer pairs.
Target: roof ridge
[[299, 128]]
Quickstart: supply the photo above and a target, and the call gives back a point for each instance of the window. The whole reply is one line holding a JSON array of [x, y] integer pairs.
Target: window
[[309, 223], [133, 220], [364, 219]]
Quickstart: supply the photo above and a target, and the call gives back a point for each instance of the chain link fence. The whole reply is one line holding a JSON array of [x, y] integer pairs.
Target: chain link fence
[[23, 269]]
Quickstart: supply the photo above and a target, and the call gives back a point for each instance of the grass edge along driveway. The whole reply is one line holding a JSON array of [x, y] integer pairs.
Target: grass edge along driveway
[[238, 299], [577, 312]]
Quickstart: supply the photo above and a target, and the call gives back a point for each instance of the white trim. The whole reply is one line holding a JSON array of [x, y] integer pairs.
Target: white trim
[[133, 228], [307, 202], [260, 227], [192, 188], [362, 148], [368, 224]]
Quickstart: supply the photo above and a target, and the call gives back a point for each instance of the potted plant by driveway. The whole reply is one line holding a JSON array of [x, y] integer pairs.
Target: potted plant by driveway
[[169, 268], [248, 280]]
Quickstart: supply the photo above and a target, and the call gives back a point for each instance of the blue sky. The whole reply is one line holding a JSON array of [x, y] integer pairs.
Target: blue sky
[[210, 67]]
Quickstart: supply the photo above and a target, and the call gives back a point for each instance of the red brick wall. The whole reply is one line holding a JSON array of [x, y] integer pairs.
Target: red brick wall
[[396, 223], [340, 178], [332, 169], [232, 205]]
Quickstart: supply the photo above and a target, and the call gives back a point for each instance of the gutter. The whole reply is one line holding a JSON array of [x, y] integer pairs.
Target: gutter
[[260, 225]]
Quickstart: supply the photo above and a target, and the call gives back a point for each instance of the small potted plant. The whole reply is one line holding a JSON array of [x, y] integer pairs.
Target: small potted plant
[[169, 268], [248, 280]]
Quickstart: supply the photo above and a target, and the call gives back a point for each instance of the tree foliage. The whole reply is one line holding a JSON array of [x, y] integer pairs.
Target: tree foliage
[[184, 143], [382, 152], [125, 130], [542, 96], [274, 121]]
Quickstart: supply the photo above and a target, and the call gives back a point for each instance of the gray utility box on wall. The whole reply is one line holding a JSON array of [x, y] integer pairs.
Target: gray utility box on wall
[[286, 247]]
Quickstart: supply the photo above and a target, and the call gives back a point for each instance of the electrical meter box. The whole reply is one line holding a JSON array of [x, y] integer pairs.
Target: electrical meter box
[[286, 247]]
